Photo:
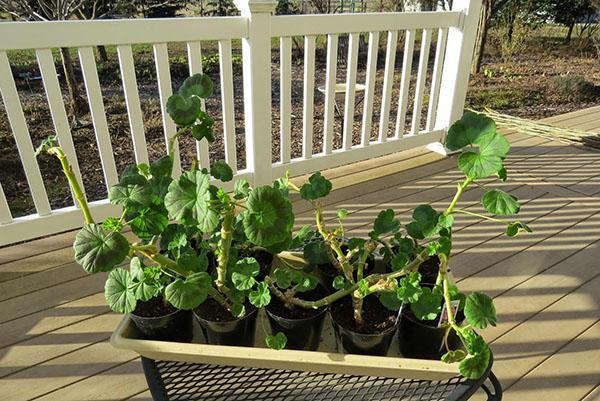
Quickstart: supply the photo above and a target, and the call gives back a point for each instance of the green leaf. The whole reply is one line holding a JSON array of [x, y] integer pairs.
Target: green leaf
[[445, 221], [192, 262], [516, 227], [399, 261], [162, 167], [221, 171], [148, 223], [386, 222], [356, 243], [409, 289], [316, 187], [189, 199], [307, 283], [339, 283], [480, 311], [424, 224], [489, 159], [238, 310], [454, 356], [363, 288], [241, 188], [301, 237], [429, 304], [243, 273], [203, 128], [390, 300], [443, 246], [278, 341], [283, 278], [46, 144], [144, 291], [471, 129], [112, 224], [502, 174], [183, 111], [118, 293], [131, 176], [316, 253], [130, 196], [474, 366], [261, 296], [500, 203], [189, 293], [341, 214], [197, 85], [269, 218], [97, 250]]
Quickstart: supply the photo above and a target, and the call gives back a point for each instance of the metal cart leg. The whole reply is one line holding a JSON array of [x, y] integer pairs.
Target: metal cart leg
[[495, 392]]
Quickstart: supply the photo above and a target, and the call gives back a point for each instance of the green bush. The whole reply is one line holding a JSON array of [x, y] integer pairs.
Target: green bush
[[575, 88]]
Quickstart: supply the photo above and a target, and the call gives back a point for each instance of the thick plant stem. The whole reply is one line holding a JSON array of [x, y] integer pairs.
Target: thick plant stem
[[224, 249], [334, 245], [357, 305], [461, 188], [152, 253], [73, 183], [216, 295]]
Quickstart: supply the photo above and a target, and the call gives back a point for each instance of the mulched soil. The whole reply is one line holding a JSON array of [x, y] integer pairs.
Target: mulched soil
[[377, 318]]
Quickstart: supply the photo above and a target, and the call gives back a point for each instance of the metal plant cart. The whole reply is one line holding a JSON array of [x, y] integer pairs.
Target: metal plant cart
[[179, 381]]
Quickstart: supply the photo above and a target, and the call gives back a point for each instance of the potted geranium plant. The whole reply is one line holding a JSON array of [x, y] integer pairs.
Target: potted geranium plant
[[406, 247], [169, 263]]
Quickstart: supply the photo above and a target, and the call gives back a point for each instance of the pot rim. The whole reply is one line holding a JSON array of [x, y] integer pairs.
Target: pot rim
[[237, 319], [386, 331], [158, 317], [322, 311]]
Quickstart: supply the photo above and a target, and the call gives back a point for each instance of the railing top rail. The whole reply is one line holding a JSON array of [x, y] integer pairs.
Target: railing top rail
[[41, 35], [322, 24]]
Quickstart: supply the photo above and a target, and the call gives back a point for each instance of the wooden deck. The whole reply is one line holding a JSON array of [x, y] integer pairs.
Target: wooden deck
[[54, 324]]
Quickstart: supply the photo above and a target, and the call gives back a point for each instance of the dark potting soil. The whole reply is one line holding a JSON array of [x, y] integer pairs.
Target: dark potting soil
[[278, 308], [377, 318], [213, 311], [155, 307], [429, 270]]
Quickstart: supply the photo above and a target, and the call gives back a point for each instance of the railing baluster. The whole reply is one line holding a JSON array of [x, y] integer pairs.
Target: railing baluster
[[367, 121], [330, 82], [227, 103], [5, 215], [409, 47], [421, 77], [57, 109], [132, 99], [20, 131], [194, 50], [350, 90], [309, 93], [436, 79], [390, 59], [163, 75], [94, 94], [285, 95]]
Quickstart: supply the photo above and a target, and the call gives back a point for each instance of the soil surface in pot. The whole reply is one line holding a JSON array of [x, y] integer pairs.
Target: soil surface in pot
[[277, 307], [377, 318], [429, 270], [213, 311], [155, 307]]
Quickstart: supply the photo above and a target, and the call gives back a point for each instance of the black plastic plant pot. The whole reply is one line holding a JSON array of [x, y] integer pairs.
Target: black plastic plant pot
[[423, 340], [351, 341], [236, 332], [176, 326], [302, 327]]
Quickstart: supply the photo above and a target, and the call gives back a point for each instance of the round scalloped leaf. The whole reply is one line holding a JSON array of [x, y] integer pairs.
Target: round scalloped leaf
[[278, 341], [97, 250], [316, 187], [184, 111], [471, 129], [454, 356], [492, 151], [390, 300], [269, 218], [118, 291], [197, 85], [189, 293], [130, 196], [428, 305], [162, 167], [221, 171], [474, 366], [386, 222], [148, 223], [188, 199], [261, 296], [480, 311], [516, 227], [203, 128], [283, 278], [316, 253], [500, 203]]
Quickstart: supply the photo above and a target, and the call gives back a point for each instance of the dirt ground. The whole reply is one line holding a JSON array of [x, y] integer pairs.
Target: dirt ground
[[532, 85]]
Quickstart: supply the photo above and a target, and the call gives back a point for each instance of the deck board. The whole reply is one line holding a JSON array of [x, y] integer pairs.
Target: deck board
[[54, 324]]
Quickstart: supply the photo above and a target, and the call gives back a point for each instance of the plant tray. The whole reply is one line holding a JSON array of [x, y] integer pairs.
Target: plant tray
[[325, 360]]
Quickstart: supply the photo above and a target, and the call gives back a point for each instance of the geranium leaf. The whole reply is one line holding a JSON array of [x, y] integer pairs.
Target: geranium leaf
[[183, 111], [424, 224], [203, 128], [238, 310], [409, 289], [132, 176], [283, 278], [471, 129], [428, 305], [316, 187], [475, 365], [278, 341], [363, 288], [480, 311], [192, 262], [118, 292], [97, 250], [269, 218], [454, 356], [386, 223], [516, 227], [390, 300], [261, 296], [316, 253], [130, 196], [241, 188], [162, 167], [307, 283], [500, 203], [189, 293], [197, 85], [243, 273], [221, 171], [189, 199], [148, 222], [339, 283]]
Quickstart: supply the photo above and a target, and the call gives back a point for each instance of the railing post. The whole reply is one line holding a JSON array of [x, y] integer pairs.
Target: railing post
[[457, 64], [256, 54]]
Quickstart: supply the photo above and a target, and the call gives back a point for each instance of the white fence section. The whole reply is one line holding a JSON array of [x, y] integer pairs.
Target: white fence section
[[454, 33]]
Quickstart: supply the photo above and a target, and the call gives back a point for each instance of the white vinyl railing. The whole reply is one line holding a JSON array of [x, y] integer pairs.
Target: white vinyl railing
[[454, 33]]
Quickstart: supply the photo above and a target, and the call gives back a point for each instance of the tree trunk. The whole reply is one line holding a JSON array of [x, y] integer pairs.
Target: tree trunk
[[76, 102], [482, 31], [102, 53], [570, 32]]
